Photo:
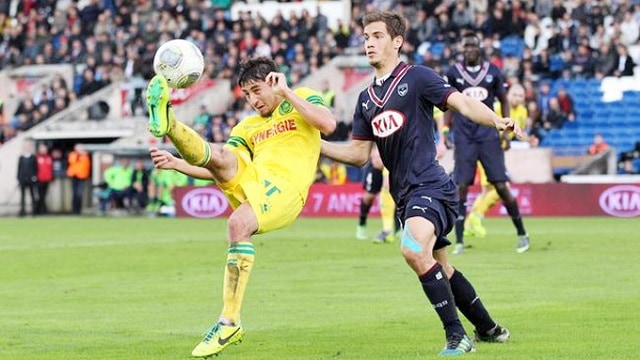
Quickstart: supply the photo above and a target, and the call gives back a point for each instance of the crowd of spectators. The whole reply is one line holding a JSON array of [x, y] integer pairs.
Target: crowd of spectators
[[115, 40]]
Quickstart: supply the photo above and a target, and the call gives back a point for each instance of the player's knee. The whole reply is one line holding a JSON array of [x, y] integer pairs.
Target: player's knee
[[414, 253], [239, 228]]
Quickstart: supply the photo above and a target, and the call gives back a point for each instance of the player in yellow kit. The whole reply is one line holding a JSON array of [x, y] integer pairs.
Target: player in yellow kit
[[489, 195], [390, 222], [265, 169]]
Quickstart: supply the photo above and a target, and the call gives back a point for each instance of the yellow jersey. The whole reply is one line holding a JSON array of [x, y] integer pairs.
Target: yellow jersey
[[284, 143], [518, 113]]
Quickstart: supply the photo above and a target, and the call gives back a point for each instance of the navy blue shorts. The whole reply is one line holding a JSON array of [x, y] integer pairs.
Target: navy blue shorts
[[489, 153], [441, 213], [372, 179]]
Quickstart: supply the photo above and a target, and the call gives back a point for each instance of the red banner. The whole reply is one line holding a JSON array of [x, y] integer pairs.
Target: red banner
[[178, 96], [619, 200]]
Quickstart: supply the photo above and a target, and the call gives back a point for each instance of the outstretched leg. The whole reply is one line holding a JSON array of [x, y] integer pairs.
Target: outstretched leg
[[418, 240], [469, 303], [192, 147]]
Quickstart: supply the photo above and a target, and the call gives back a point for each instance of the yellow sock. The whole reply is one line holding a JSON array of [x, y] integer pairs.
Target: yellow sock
[[387, 210], [485, 202], [476, 203], [190, 144], [240, 259]]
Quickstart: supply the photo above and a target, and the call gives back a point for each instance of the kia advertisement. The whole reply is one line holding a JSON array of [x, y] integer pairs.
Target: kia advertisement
[[621, 200], [201, 202], [534, 200]]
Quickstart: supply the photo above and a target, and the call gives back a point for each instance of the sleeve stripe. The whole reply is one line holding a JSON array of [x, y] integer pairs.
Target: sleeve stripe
[[316, 100], [237, 141]]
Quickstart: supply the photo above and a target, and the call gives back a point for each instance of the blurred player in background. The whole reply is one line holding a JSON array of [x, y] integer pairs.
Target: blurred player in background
[[371, 184], [482, 81], [396, 113], [265, 169], [376, 182], [390, 223], [473, 225]]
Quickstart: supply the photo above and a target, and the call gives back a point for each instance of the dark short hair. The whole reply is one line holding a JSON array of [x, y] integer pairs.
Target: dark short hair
[[471, 38], [396, 23], [255, 69]]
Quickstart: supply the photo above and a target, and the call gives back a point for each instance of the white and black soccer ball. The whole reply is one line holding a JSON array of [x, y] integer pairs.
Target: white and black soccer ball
[[180, 62]]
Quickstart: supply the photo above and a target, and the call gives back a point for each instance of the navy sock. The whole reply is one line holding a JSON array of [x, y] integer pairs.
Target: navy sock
[[436, 287], [514, 212], [462, 213], [364, 213], [470, 304]]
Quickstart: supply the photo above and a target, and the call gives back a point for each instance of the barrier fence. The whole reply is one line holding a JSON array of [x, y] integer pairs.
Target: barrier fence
[[556, 199]]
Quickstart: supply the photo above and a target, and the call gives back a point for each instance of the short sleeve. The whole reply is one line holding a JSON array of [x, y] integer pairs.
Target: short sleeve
[[435, 90], [361, 127]]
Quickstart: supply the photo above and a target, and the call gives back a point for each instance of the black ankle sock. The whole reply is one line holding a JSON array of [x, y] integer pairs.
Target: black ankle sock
[[459, 230], [514, 212], [470, 304], [459, 225], [396, 224], [436, 287], [364, 213]]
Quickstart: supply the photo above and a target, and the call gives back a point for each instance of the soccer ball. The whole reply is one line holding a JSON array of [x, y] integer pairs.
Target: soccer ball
[[180, 62]]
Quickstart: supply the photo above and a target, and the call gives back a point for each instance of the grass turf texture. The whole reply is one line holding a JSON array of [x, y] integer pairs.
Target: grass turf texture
[[91, 288]]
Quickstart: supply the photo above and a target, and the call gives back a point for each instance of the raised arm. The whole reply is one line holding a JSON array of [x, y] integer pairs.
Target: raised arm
[[319, 117], [480, 113], [163, 159], [355, 152]]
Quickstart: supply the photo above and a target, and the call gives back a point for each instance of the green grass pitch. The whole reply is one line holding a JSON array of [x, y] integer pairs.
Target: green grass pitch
[[94, 288]]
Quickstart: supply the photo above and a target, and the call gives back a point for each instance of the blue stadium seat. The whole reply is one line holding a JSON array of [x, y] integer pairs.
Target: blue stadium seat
[[585, 113], [631, 97], [632, 119], [437, 49], [556, 63], [512, 46], [77, 82], [594, 83], [571, 125]]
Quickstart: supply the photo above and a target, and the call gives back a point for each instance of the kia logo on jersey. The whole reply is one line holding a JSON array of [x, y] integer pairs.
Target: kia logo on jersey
[[476, 92], [621, 201], [204, 202], [387, 122]]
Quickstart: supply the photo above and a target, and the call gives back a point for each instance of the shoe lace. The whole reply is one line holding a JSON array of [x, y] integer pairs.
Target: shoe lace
[[208, 335], [454, 341]]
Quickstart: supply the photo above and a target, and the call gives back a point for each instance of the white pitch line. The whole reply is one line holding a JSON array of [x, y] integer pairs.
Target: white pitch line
[[94, 244]]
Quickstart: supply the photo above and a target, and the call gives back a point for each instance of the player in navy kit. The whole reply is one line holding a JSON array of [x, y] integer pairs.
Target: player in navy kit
[[482, 81], [371, 184], [396, 112]]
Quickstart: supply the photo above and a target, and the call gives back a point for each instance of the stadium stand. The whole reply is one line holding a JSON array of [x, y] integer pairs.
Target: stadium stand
[[110, 44]]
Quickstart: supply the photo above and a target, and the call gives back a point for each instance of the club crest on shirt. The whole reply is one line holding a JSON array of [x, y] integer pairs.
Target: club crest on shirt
[[488, 78], [387, 122], [403, 89], [285, 107]]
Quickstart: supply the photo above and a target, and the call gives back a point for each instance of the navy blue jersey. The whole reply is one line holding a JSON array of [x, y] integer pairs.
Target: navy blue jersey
[[484, 84], [398, 116]]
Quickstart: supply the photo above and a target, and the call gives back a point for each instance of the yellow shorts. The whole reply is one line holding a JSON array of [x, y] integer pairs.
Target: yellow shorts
[[273, 199]]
